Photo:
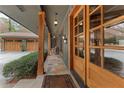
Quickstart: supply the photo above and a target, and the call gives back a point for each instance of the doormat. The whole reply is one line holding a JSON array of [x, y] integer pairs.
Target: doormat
[[58, 81]]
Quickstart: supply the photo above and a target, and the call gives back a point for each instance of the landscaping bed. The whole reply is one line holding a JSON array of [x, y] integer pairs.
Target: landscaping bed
[[24, 67]]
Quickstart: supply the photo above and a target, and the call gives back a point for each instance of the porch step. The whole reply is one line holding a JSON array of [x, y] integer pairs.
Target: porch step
[[30, 83]]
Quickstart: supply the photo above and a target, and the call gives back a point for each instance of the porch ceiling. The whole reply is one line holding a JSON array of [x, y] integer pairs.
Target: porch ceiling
[[26, 15], [50, 16]]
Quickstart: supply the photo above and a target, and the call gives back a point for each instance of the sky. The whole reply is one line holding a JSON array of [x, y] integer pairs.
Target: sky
[[4, 16]]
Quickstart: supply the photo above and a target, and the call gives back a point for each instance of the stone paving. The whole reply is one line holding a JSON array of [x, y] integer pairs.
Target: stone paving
[[53, 65], [6, 57]]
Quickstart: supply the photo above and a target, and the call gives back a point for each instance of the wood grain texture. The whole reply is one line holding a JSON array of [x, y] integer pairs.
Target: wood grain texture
[[99, 77], [76, 63], [79, 67], [41, 43], [94, 76], [14, 45]]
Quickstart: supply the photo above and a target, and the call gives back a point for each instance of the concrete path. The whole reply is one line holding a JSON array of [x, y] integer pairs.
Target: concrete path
[[6, 57], [30, 83]]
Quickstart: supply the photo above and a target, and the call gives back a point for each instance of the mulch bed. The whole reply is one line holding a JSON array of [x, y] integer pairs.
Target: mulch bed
[[58, 81]]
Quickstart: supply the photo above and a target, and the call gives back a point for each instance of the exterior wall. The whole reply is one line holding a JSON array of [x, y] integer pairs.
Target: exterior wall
[[15, 45], [46, 40], [65, 45], [65, 29]]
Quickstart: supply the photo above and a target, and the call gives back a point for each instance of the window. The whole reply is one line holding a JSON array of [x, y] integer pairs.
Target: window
[[95, 56], [111, 12], [96, 35], [95, 38], [114, 46], [92, 7], [114, 61], [95, 17], [79, 35], [107, 43], [114, 35]]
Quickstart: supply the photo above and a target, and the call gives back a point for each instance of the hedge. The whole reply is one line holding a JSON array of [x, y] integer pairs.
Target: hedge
[[23, 67]]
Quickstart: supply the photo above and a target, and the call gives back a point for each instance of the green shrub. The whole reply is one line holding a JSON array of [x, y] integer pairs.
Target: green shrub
[[23, 67]]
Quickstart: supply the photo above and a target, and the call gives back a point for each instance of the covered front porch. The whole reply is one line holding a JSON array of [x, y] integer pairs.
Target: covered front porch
[[53, 66], [84, 45]]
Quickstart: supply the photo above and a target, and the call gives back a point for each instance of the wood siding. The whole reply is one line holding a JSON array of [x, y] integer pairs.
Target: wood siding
[[15, 45]]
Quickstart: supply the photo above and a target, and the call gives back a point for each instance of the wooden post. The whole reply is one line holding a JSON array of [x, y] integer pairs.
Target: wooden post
[[87, 46], [41, 43], [49, 43]]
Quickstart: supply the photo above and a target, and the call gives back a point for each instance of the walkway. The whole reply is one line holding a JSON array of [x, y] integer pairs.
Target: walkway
[[54, 65], [6, 57]]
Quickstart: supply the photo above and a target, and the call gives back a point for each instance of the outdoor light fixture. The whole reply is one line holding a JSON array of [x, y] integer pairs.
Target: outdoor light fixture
[[54, 37], [56, 21], [64, 39]]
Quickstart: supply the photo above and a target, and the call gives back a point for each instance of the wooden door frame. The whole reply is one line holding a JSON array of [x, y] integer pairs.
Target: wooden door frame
[[71, 15], [76, 9], [87, 46]]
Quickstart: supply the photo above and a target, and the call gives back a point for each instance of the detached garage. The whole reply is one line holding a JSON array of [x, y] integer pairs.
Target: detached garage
[[19, 41]]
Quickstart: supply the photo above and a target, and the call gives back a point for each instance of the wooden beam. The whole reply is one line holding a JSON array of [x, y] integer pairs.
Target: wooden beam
[[71, 25], [41, 43]]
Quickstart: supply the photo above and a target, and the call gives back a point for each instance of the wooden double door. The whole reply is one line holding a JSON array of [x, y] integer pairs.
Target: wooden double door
[[92, 49]]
